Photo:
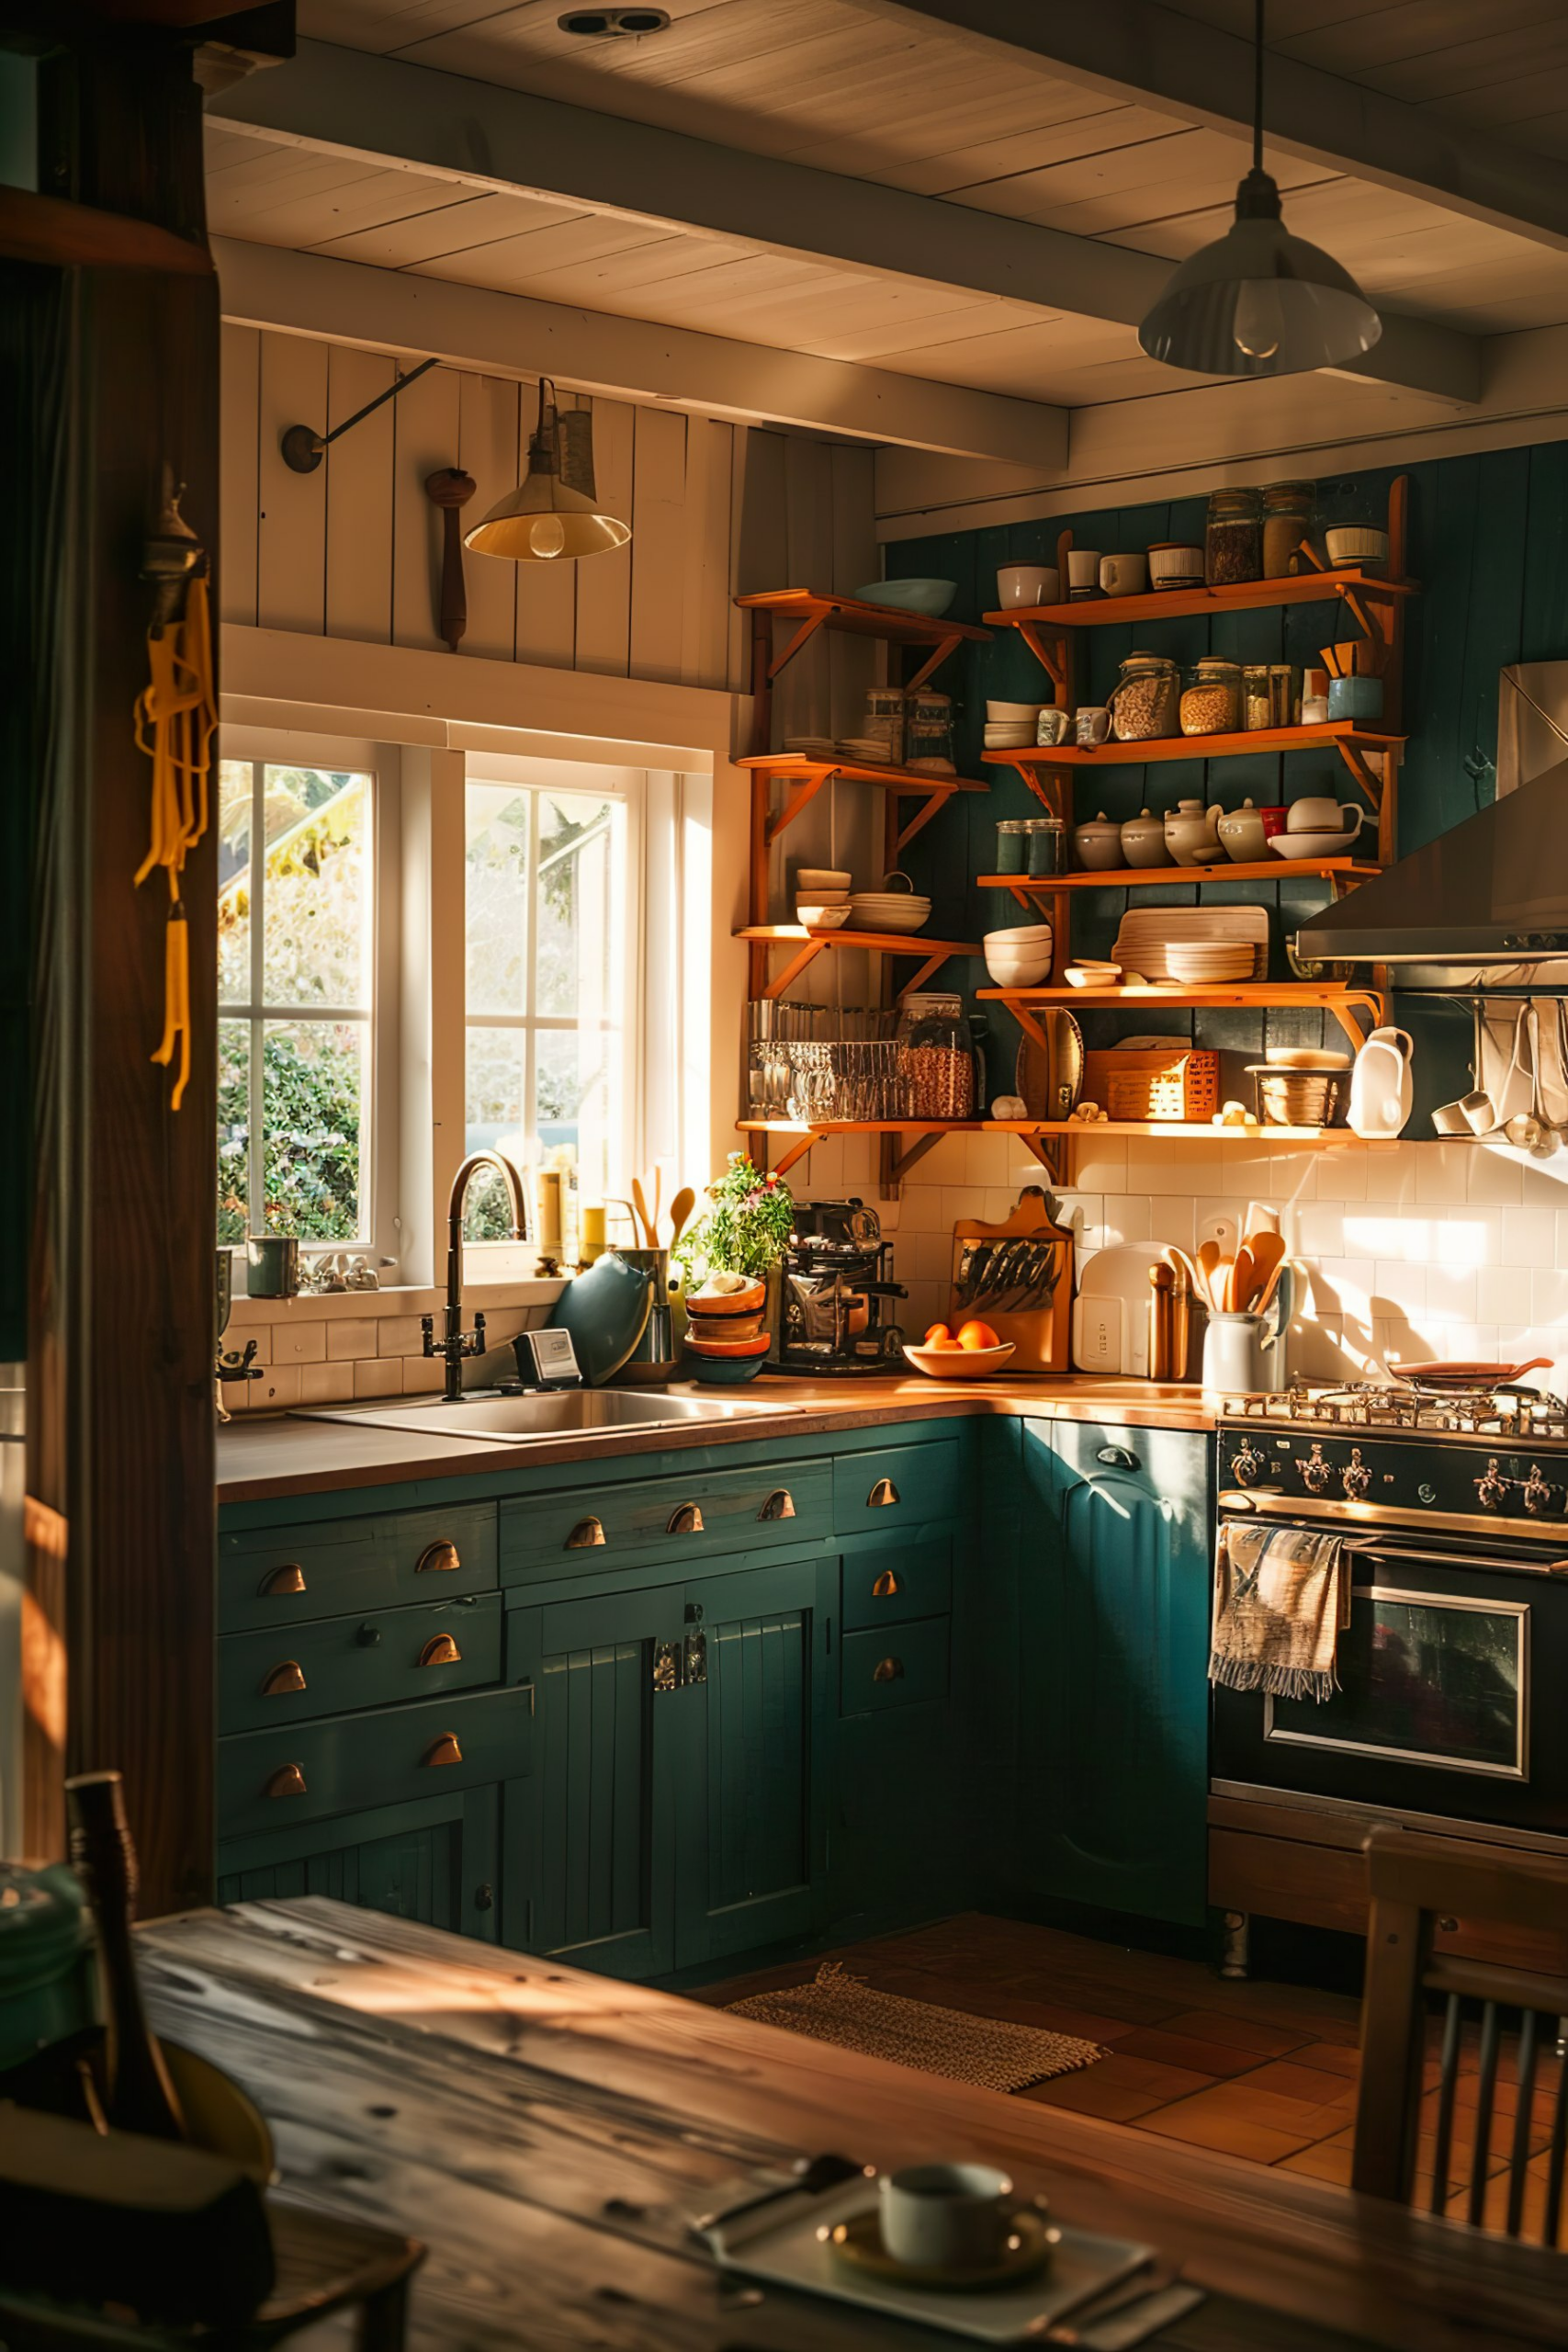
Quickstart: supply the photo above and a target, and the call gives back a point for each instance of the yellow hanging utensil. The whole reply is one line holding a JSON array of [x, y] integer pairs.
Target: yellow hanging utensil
[[176, 718]]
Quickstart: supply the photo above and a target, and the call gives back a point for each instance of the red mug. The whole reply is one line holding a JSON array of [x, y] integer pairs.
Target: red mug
[[1273, 821]]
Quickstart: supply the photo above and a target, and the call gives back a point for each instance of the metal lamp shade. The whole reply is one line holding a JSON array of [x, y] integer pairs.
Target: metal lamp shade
[[1258, 301], [542, 521]]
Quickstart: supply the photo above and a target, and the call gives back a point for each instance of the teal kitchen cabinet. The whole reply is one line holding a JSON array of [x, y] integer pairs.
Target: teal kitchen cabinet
[[678, 1808], [1114, 1582], [436, 1859]]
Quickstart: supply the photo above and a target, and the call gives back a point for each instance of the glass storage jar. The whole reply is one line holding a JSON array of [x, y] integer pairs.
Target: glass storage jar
[[1233, 538], [1257, 697], [1287, 520], [928, 733], [1012, 845], [1048, 846], [885, 721], [1212, 704], [1143, 700], [941, 1069]]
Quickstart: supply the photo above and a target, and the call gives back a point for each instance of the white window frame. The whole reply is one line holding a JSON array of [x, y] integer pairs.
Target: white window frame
[[379, 1108]]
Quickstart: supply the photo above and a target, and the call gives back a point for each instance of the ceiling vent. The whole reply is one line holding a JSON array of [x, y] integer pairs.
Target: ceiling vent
[[611, 24]]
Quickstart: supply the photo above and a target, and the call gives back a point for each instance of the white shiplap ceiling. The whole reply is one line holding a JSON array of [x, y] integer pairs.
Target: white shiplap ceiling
[[879, 94]]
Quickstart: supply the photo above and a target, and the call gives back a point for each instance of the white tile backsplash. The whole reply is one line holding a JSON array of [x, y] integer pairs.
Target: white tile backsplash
[[368, 1343]]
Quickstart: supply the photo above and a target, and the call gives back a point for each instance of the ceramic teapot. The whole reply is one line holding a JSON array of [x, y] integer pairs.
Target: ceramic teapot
[[1381, 1085], [1190, 834], [1144, 840], [1241, 833], [1098, 845]]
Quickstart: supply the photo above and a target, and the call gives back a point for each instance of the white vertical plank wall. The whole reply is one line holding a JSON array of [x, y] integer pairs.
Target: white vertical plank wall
[[352, 550]]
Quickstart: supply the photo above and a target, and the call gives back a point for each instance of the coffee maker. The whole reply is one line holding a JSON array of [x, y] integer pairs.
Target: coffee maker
[[838, 1282]]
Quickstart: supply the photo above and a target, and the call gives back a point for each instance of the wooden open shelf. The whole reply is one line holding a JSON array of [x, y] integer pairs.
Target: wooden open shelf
[[1173, 604], [1048, 1140], [930, 953], [804, 778], [1146, 877], [892, 779], [810, 610], [1342, 733], [1344, 1003]]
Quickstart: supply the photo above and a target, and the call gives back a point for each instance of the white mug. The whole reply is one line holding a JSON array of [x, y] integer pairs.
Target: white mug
[[1027, 583], [1053, 726], [1091, 724], [1083, 572], [945, 2217], [1123, 576]]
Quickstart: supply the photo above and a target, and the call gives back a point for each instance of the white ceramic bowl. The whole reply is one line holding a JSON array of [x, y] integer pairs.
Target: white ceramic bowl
[[960, 1364], [1092, 975], [821, 881], [1028, 934], [1024, 713], [1306, 1058], [903, 914], [1350, 543], [821, 918], [1027, 583], [1032, 973], [1009, 739], [1311, 844]]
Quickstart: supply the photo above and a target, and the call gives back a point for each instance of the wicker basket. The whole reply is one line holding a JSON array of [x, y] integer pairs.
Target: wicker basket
[[1175, 1084], [1295, 1098]]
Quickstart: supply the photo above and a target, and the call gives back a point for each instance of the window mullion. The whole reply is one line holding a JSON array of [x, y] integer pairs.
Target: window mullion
[[256, 1157], [530, 977]]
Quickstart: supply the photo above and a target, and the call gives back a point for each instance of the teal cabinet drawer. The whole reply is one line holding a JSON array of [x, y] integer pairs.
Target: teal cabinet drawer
[[436, 1859], [891, 1584], [901, 1667], [281, 1577], [267, 1780], [269, 1680], [896, 1486], [676, 1522]]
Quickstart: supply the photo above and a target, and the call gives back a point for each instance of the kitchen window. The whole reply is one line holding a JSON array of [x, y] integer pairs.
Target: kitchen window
[[551, 949], [296, 997]]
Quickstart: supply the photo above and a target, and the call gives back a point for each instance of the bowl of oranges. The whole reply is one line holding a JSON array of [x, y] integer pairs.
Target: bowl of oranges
[[967, 1354]]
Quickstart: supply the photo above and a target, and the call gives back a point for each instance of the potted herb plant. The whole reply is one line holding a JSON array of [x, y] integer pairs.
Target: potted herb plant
[[729, 1263]]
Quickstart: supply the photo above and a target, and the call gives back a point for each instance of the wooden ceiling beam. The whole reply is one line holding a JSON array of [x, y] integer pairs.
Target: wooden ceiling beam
[[597, 352], [1139, 51], [340, 101]]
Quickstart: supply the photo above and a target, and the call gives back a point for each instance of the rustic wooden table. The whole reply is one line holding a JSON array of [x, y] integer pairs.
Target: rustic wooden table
[[550, 2134]]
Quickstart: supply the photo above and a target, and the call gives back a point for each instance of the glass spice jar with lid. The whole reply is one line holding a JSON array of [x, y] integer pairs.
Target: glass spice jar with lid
[[1287, 509], [1012, 845], [1233, 538], [927, 732], [1143, 700], [1213, 703], [1257, 697], [1048, 846]]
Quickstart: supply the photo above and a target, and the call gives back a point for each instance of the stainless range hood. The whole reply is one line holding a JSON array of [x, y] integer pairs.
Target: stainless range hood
[[1484, 905]]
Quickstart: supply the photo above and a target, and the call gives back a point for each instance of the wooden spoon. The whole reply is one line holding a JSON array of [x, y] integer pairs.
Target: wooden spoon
[[1208, 1266], [1266, 1295], [1240, 1285], [651, 1238], [680, 1209], [1268, 1252]]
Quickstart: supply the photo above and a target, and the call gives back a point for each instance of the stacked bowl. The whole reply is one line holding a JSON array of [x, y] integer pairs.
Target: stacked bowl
[[1012, 726], [1020, 958], [886, 909], [822, 897], [726, 1333]]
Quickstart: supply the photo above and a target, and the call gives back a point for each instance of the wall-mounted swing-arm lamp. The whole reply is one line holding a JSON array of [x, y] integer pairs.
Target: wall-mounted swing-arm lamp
[[303, 447]]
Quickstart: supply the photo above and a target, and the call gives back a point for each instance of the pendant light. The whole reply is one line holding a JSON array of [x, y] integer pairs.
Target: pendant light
[[1258, 301], [554, 509]]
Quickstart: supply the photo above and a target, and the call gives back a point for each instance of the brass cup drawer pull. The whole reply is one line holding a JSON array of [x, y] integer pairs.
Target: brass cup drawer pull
[[440, 1558], [287, 1782], [289, 1674], [887, 1669], [887, 1585], [881, 1495], [444, 1750], [779, 1505], [685, 1520], [440, 1650], [287, 1580], [585, 1535]]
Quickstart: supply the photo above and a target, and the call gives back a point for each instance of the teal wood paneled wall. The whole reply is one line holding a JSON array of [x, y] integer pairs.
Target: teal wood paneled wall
[[1488, 543]]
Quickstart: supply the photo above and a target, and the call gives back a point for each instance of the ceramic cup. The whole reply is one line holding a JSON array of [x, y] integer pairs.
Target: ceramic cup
[[1123, 576], [1053, 726], [1321, 815], [1091, 724], [272, 1267], [1273, 818], [1083, 573], [1027, 583], [945, 2217]]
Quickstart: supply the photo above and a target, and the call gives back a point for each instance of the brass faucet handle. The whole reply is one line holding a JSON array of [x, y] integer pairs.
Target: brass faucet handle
[[427, 1325]]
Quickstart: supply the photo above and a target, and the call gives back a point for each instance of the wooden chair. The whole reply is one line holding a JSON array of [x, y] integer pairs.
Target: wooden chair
[[1415, 1882]]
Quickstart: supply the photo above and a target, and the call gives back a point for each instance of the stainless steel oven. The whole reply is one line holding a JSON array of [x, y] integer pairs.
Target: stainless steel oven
[[1452, 1674]]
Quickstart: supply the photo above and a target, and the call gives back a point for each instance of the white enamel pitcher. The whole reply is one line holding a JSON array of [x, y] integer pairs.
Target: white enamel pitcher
[[1381, 1085]]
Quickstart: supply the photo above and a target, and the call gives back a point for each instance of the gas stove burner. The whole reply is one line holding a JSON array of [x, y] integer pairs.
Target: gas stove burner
[[1503, 1408]]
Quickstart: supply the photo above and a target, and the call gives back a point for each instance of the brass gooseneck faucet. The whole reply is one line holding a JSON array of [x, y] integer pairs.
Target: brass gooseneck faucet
[[455, 1342]]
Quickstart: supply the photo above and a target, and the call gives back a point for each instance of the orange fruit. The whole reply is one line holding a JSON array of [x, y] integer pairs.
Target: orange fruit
[[937, 1335], [978, 1335], [944, 1343]]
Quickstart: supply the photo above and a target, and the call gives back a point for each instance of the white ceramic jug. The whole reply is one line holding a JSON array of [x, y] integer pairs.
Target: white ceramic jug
[[1381, 1085], [1190, 834]]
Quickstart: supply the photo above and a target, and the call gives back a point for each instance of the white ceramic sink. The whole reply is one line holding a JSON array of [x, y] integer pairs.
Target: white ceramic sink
[[568, 1412]]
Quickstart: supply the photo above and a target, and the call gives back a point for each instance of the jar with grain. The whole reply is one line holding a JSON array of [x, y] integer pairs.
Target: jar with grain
[[1233, 538], [1257, 698], [1287, 521], [1144, 701], [1213, 703], [941, 1069]]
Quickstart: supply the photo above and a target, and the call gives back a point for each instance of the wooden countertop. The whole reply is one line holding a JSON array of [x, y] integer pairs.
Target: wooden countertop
[[307, 1453], [550, 2134]]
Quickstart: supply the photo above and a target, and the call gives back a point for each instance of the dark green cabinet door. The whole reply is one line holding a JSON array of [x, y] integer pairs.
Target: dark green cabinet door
[[1112, 1657], [751, 1714], [596, 1858], [434, 1860]]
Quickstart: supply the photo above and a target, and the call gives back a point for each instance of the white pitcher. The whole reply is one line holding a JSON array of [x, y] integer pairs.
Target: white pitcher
[[1381, 1086]]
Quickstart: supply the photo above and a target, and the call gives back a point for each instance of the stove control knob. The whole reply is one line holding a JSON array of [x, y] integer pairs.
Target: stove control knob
[[1246, 1463], [1425, 1492], [1493, 1488], [1538, 1491], [1315, 1472], [1356, 1478]]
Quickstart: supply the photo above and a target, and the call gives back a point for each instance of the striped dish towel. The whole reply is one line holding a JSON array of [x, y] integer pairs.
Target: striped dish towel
[[1281, 1599]]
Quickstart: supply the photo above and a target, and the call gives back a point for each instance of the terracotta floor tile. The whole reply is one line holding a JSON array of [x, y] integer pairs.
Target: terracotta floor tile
[[1182, 2050], [1245, 2105], [1321, 2162], [1248, 2034], [1330, 2058], [1230, 2134], [1309, 2084], [1086, 2094]]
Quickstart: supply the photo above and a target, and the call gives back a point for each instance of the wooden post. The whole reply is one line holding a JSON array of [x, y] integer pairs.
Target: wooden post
[[119, 1608]]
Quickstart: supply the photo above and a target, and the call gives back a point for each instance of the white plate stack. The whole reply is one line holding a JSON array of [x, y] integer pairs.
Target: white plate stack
[[889, 911], [1148, 934], [1207, 963]]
